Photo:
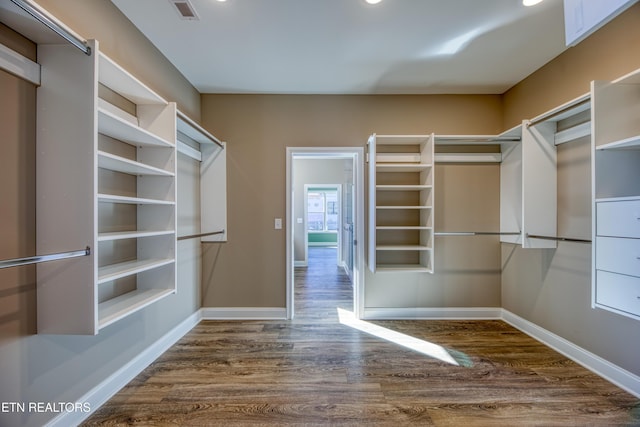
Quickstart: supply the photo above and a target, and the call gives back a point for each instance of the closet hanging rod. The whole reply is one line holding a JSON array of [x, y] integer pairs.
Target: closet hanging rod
[[477, 233], [193, 236], [43, 258], [562, 239], [199, 129], [44, 18], [546, 117]]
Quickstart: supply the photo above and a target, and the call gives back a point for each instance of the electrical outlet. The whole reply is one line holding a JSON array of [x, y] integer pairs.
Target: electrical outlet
[[277, 224]]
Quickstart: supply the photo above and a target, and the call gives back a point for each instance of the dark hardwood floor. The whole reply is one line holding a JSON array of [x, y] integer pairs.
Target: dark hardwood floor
[[315, 370]]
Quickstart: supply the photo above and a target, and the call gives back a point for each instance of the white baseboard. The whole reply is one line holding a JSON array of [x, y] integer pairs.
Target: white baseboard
[[110, 386], [244, 313], [613, 373], [424, 313]]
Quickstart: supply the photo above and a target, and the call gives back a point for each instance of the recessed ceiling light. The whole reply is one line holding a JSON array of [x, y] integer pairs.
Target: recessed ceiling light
[[373, 1], [531, 2]]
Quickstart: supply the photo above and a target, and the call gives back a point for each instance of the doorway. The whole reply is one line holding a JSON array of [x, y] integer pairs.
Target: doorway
[[350, 230]]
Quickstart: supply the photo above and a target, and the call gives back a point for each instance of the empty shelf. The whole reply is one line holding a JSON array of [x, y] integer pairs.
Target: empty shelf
[[403, 227], [402, 187], [128, 268], [119, 80], [402, 167], [402, 248], [633, 142], [104, 237], [404, 207], [112, 198], [123, 305], [120, 164], [116, 127], [418, 268]]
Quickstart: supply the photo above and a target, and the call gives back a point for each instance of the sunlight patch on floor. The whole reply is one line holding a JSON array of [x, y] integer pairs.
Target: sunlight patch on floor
[[435, 351]]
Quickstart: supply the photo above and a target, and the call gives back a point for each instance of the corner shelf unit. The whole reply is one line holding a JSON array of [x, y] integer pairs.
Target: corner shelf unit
[[106, 178], [616, 195], [401, 180]]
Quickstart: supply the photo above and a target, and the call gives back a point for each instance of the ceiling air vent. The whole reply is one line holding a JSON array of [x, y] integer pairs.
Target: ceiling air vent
[[185, 9]]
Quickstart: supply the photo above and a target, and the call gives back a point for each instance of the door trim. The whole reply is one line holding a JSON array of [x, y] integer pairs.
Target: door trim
[[356, 154]]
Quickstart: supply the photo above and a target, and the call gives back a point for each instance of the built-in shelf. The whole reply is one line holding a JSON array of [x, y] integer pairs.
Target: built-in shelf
[[111, 198], [120, 164], [632, 142], [121, 306], [86, 132], [406, 187], [403, 268], [128, 268], [121, 235], [401, 178], [403, 167], [118, 128], [405, 207]]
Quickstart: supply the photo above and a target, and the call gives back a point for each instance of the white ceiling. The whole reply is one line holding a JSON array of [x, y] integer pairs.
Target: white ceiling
[[351, 47]]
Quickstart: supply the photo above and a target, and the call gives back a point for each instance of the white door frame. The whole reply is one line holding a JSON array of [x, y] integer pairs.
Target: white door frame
[[356, 154]]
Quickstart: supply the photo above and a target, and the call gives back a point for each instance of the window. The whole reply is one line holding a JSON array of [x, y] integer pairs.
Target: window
[[322, 210]]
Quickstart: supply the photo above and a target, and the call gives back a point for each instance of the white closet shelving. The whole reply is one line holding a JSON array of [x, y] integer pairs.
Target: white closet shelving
[[616, 195], [199, 144], [106, 179], [401, 180]]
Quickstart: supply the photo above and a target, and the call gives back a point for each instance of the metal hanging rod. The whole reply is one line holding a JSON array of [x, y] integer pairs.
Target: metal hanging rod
[[477, 233], [198, 129], [43, 258], [580, 105], [562, 239], [194, 236], [43, 17]]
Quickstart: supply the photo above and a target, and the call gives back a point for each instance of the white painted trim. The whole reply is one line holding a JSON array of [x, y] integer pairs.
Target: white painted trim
[[19, 65], [425, 313], [300, 264], [468, 157], [358, 156], [607, 370], [104, 391], [243, 313]]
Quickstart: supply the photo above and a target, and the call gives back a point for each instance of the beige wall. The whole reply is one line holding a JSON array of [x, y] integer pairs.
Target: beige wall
[[50, 368], [552, 287], [258, 129], [609, 53], [122, 41]]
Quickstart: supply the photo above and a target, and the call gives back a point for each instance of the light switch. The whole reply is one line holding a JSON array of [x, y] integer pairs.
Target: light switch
[[299, 220], [278, 224]]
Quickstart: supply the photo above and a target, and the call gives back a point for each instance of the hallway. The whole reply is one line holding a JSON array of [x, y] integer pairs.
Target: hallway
[[317, 371]]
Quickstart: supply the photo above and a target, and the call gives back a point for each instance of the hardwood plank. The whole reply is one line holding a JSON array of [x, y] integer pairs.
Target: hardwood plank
[[314, 371]]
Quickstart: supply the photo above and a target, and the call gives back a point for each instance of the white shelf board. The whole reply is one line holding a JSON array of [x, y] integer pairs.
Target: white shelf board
[[397, 158], [120, 164], [115, 309], [116, 127], [617, 199], [403, 187], [403, 167], [632, 142], [128, 268], [404, 207], [120, 235], [119, 80], [468, 157], [418, 268], [473, 139], [402, 248], [401, 139], [111, 198]]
